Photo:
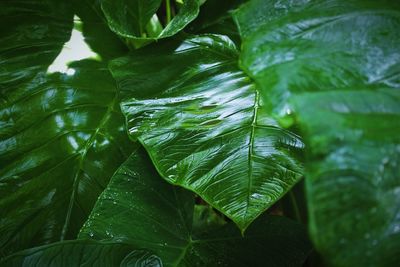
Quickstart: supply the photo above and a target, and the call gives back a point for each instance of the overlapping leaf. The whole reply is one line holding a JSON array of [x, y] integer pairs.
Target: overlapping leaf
[[141, 209], [82, 253], [132, 18], [203, 124], [96, 31], [62, 137], [347, 52]]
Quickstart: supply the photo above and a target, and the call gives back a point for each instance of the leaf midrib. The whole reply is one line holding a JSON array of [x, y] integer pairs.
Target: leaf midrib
[[77, 176]]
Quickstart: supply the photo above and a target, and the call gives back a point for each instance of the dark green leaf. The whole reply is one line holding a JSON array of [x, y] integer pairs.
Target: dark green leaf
[[213, 12], [204, 126], [205, 218], [129, 18], [141, 209], [353, 175], [32, 33], [82, 253], [96, 31], [61, 139]]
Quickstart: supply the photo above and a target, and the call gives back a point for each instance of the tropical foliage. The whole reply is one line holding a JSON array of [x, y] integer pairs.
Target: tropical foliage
[[199, 133]]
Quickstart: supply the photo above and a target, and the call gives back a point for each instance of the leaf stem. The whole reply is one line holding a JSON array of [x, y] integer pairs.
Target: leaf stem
[[168, 11]]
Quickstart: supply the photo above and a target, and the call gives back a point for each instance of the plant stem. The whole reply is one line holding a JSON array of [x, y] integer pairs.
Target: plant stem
[[168, 11], [294, 205]]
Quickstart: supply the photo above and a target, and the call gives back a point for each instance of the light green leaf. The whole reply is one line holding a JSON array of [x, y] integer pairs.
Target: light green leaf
[[141, 209], [291, 47], [204, 126], [61, 138], [129, 18], [82, 253]]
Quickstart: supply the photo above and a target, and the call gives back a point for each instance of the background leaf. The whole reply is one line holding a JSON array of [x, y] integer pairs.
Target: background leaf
[[129, 18], [96, 31], [32, 33], [141, 209], [204, 126], [62, 137], [82, 253], [353, 174]]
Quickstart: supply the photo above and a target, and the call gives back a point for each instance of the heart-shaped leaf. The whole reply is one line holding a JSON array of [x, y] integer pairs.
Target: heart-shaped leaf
[[204, 125], [141, 209]]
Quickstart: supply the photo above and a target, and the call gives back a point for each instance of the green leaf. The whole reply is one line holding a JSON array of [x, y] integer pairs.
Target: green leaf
[[32, 33], [130, 18], [205, 219], [96, 31], [343, 54], [353, 174], [61, 138], [82, 253], [212, 12], [204, 126], [141, 209], [291, 47]]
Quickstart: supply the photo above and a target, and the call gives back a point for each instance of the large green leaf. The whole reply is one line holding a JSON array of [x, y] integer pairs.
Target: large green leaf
[[291, 47], [202, 122], [141, 209], [32, 33], [129, 18], [82, 253], [353, 174], [61, 138], [345, 52]]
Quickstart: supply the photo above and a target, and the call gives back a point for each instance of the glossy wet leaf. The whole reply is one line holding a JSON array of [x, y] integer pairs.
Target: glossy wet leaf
[[129, 18], [204, 126], [82, 253], [61, 138], [32, 33], [141, 209], [353, 174], [337, 49], [291, 47]]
